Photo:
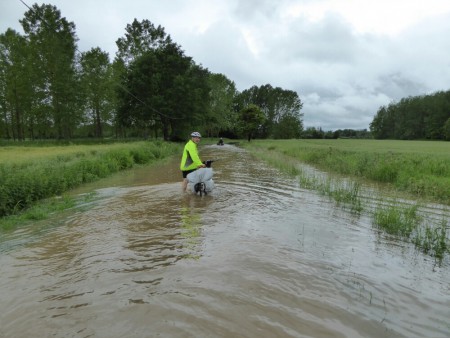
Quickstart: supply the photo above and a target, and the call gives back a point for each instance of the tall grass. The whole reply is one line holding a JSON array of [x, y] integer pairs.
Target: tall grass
[[344, 193], [397, 221], [58, 169], [433, 239], [420, 169], [406, 222]]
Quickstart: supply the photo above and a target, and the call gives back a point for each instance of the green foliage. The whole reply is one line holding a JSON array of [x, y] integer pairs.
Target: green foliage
[[288, 127], [221, 116], [15, 83], [281, 109], [52, 41], [163, 87], [446, 129], [151, 88], [144, 155], [96, 82], [420, 117], [318, 133], [251, 119], [140, 38]]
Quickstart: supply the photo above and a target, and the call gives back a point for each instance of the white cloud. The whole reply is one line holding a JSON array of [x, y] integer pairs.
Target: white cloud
[[345, 58]]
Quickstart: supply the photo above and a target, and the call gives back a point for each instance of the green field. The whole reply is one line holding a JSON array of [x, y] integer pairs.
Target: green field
[[415, 170], [359, 145], [420, 169], [29, 174]]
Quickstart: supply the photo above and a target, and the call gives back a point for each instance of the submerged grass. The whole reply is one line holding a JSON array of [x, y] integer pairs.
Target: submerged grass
[[344, 193], [418, 168], [427, 175], [39, 211], [396, 220], [37, 173], [433, 239]]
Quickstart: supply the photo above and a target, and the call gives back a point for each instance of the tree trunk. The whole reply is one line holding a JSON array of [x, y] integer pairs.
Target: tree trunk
[[98, 123], [17, 117], [165, 128]]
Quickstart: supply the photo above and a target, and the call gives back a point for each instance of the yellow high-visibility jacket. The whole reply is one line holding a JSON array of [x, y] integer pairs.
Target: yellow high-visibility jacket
[[190, 159]]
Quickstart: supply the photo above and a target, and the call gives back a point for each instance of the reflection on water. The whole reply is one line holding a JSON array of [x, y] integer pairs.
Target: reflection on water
[[258, 257], [191, 225]]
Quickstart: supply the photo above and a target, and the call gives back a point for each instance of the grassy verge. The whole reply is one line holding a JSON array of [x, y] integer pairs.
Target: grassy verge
[[376, 162], [32, 174], [418, 168]]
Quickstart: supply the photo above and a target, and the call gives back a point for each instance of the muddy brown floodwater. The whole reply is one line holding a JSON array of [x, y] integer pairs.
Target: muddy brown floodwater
[[258, 257]]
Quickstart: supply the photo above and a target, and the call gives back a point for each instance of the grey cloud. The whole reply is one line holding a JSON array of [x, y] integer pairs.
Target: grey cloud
[[326, 41], [341, 76], [249, 10]]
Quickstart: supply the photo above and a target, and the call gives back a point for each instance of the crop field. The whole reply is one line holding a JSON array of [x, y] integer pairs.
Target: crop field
[[418, 168]]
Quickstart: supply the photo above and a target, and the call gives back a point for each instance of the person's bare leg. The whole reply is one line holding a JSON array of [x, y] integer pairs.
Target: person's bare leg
[[184, 184]]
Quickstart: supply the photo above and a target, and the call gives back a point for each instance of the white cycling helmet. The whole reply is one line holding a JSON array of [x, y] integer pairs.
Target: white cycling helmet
[[196, 134]]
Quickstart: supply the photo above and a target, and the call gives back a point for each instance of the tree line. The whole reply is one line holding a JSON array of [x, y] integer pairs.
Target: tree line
[[49, 90], [412, 118]]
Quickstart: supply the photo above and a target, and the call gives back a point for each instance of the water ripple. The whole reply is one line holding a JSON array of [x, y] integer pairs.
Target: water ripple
[[258, 257]]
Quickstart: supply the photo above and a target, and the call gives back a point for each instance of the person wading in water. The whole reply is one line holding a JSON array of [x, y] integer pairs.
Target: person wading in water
[[190, 161]]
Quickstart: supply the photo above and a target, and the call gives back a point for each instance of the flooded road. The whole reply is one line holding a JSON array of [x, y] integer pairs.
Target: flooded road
[[258, 257]]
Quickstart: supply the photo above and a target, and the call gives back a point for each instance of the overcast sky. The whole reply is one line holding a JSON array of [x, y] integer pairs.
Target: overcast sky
[[344, 58]]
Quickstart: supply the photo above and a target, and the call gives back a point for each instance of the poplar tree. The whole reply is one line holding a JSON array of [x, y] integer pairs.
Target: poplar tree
[[52, 46], [96, 80], [15, 85]]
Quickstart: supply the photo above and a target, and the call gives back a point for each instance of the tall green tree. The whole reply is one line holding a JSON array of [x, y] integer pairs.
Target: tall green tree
[[383, 125], [447, 130], [140, 37], [437, 112], [285, 115], [137, 49], [189, 100], [251, 120], [313, 133], [221, 116], [96, 79], [118, 81], [419, 117], [288, 126], [279, 106], [53, 45], [164, 88], [15, 84]]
